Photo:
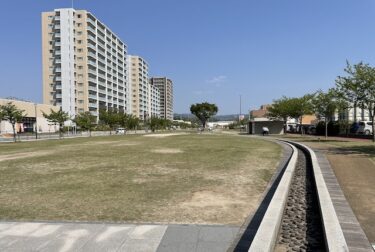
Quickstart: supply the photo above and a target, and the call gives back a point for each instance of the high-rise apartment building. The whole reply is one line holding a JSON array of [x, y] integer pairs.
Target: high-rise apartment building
[[154, 101], [165, 87], [84, 63], [139, 87]]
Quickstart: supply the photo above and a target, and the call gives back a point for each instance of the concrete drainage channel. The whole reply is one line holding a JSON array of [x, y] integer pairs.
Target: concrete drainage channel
[[301, 215]]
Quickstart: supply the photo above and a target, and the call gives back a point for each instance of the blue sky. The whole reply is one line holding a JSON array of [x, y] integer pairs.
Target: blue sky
[[214, 50]]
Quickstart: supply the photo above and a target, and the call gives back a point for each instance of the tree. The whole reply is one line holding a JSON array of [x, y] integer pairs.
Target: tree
[[281, 109], [57, 118], [133, 122], [9, 112], [203, 111], [85, 121], [301, 106], [325, 106], [358, 87], [109, 117]]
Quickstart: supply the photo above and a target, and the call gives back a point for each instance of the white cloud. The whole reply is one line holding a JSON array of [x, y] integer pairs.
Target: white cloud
[[217, 80]]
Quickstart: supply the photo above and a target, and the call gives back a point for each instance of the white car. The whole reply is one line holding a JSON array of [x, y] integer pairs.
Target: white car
[[120, 131], [365, 127]]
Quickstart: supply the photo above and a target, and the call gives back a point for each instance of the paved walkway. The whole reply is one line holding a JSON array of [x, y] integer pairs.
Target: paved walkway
[[39, 236]]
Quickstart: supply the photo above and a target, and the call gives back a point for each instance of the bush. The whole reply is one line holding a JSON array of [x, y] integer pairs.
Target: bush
[[333, 128]]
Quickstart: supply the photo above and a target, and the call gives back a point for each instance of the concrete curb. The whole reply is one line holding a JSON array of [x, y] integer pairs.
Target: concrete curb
[[334, 236], [265, 238]]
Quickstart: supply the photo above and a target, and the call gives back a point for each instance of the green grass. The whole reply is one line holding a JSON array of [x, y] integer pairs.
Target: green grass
[[135, 178]]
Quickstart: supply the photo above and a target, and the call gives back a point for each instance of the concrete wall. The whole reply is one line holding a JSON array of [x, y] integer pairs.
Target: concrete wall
[[275, 127]]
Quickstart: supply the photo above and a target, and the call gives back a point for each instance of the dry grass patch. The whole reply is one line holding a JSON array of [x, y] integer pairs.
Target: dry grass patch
[[185, 178]]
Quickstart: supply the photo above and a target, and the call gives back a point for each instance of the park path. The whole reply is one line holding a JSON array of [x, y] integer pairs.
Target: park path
[[48, 236]]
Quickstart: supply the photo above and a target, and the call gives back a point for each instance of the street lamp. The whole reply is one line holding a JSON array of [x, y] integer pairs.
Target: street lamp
[[36, 121]]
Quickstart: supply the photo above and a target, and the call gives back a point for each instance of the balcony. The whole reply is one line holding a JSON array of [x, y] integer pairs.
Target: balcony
[[92, 54], [91, 22], [91, 38], [57, 61], [57, 27], [92, 79], [58, 78], [91, 96], [93, 88], [94, 113], [101, 68], [58, 96], [93, 105], [57, 43], [91, 62], [91, 71], [103, 99], [91, 46], [58, 87], [57, 70], [57, 52], [91, 29], [57, 35]]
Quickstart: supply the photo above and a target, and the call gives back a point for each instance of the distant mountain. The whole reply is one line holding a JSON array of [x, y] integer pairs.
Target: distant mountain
[[188, 117]]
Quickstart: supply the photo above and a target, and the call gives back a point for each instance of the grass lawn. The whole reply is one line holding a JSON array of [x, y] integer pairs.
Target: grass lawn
[[184, 178]]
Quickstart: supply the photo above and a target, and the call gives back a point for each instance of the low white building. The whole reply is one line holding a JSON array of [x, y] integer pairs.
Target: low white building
[[33, 119], [256, 126]]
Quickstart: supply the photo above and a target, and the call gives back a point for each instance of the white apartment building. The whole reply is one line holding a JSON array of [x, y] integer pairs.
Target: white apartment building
[[84, 63], [353, 115], [154, 101], [140, 89], [165, 87]]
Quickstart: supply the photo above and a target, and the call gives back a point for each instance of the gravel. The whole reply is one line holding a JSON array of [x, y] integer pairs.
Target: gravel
[[301, 227]]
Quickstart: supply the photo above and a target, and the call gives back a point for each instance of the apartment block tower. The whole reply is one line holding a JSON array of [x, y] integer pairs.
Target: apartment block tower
[[165, 87], [84, 63], [154, 101], [139, 87]]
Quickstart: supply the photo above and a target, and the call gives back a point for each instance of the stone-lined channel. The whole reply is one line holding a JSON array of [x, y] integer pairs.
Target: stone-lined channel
[[301, 227]]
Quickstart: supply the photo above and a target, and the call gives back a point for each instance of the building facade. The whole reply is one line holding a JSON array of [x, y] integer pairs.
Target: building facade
[[33, 119], [139, 87], [165, 87], [154, 101], [84, 63]]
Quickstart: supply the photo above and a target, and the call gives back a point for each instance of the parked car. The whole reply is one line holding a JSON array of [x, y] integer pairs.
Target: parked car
[[120, 131], [365, 127]]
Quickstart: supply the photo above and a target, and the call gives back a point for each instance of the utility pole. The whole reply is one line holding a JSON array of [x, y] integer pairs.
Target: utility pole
[[239, 117], [36, 121]]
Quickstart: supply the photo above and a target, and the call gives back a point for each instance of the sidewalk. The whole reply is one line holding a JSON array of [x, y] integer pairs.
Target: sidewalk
[[45, 236]]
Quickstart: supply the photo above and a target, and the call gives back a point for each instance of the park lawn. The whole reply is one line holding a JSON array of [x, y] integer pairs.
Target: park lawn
[[161, 178]]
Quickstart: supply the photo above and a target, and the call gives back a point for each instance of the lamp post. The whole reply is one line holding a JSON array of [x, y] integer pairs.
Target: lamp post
[[36, 121]]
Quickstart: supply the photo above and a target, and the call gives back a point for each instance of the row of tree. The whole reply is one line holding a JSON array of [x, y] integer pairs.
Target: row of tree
[[108, 119], [356, 89]]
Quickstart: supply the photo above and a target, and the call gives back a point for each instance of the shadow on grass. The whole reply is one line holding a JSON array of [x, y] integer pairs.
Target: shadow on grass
[[366, 150]]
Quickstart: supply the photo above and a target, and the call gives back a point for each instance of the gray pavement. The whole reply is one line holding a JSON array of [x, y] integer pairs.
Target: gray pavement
[[44, 236]]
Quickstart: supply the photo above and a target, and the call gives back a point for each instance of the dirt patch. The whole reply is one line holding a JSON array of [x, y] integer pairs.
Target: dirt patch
[[165, 135], [204, 199], [24, 155], [127, 144], [167, 151]]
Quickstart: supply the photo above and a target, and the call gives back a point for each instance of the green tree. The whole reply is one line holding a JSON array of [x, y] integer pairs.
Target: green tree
[[57, 118], [85, 121], [281, 109], [9, 112], [301, 106], [358, 87], [203, 111], [325, 106], [109, 117], [133, 122]]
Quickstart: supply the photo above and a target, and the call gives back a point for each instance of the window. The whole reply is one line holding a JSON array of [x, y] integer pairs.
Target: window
[[79, 24], [79, 50], [79, 41], [79, 33], [80, 101], [79, 16]]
